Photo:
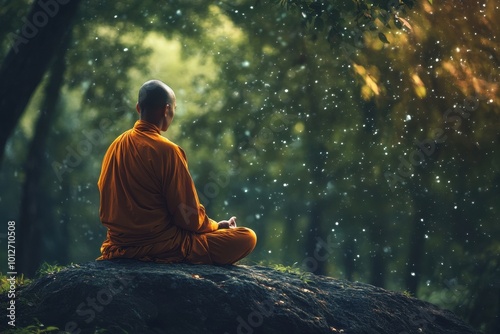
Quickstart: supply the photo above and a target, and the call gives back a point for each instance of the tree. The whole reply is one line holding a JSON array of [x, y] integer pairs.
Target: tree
[[362, 147], [20, 72], [31, 220]]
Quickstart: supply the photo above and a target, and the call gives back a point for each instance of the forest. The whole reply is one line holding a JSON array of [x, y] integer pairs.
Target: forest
[[359, 139]]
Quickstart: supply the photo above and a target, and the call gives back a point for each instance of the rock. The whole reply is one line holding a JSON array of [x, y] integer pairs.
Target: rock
[[128, 296]]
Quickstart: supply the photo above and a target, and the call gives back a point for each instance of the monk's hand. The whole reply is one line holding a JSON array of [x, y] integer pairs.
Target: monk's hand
[[231, 223]]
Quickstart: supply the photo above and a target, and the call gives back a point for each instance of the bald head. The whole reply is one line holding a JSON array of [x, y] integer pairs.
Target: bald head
[[156, 103], [154, 95]]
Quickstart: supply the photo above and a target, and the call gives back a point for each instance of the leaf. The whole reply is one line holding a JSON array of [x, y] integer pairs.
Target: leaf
[[383, 38], [372, 84], [419, 86], [359, 69], [430, 1], [405, 23]]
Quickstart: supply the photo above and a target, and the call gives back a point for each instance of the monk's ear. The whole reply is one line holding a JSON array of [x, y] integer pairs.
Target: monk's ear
[[137, 108], [170, 109]]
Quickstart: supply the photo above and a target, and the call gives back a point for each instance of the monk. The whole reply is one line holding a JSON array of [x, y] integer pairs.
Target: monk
[[148, 201]]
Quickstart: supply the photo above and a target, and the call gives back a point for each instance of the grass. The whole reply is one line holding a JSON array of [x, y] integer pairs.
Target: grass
[[407, 293], [50, 269], [44, 270], [37, 328], [21, 280], [5, 285], [303, 275]]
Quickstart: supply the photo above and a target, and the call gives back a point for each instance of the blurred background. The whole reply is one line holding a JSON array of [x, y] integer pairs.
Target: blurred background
[[359, 139]]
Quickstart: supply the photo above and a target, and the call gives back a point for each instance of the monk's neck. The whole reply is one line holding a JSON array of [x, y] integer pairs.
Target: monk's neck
[[146, 126]]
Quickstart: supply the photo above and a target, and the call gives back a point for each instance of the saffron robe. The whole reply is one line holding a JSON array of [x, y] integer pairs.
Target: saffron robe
[[150, 207]]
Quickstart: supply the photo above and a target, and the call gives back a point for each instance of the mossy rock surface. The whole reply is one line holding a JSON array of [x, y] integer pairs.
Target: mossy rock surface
[[128, 296]]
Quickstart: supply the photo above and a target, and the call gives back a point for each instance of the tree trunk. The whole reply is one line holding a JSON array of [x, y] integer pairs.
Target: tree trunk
[[349, 249], [31, 218], [423, 207], [378, 263], [377, 231], [317, 161], [32, 50]]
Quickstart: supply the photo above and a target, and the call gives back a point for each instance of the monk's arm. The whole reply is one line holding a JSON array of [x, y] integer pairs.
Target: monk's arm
[[182, 198]]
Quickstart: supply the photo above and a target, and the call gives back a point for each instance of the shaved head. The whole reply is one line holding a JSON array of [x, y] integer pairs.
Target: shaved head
[[154, 95], [156, 103]]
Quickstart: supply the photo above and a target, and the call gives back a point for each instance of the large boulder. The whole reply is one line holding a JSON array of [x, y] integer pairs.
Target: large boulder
[[128, 296]]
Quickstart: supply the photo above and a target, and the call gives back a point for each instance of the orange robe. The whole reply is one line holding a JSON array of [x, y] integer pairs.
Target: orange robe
[[150, 207]]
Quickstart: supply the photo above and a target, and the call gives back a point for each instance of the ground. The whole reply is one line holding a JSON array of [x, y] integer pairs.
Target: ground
[[128, 296]]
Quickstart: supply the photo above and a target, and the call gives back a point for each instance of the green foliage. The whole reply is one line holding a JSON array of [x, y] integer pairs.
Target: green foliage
[[45, 269], [11, 13], [5, 285], [408, 294], [296, 111], [333, 18], [294, 270], [50, 269], [37, 328]]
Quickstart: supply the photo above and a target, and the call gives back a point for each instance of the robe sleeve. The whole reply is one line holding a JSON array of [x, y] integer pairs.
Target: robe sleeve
[[182, 199]]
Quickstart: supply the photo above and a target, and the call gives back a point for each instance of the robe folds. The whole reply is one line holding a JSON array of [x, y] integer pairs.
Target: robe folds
[[150, 207]]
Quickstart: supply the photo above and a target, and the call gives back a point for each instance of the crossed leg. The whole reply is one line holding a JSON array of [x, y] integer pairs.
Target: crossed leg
[[225, 246]]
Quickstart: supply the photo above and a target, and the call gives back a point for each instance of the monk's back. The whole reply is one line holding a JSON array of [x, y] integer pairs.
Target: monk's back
[[149, 202], [135, 171]]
